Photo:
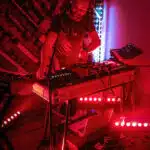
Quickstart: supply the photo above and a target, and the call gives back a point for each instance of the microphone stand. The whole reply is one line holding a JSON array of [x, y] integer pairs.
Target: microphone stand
[[50, 88], [48, 118]]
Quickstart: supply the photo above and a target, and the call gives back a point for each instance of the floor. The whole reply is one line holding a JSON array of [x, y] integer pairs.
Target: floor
[[27, 131]]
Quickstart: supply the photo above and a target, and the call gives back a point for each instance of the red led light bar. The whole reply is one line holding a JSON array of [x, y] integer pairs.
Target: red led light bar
[[131, 124], [99, 99], [90, 99], [10, 119]]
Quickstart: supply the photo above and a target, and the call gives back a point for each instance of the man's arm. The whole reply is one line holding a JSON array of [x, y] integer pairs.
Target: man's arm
[[47, 49], [46, 54]]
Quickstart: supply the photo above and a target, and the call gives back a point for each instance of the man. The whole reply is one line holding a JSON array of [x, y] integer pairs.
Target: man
[[71, 32], [67, 36]]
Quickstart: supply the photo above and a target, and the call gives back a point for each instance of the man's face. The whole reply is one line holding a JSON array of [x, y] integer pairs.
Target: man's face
[[78, 9]]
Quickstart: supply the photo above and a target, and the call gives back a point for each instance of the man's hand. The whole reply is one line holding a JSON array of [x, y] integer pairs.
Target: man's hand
[[43, 69], [63, 45]]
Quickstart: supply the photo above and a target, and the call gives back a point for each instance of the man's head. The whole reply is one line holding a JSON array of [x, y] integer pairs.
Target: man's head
[[78, 9]]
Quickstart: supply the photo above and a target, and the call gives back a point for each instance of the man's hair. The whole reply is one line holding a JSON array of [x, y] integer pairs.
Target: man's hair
[[81, 1]]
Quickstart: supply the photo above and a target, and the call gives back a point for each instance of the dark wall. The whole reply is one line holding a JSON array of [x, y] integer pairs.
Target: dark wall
[[22, 26]]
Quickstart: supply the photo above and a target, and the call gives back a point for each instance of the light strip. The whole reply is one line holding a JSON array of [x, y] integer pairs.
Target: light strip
[[130, 124], [99, 99], [7, 121]]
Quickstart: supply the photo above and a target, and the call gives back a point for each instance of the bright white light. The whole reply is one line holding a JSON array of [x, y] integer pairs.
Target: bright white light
[[99, 53]]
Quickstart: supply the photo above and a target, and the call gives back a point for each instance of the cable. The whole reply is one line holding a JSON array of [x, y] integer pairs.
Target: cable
[[109, 84], [109, 79]]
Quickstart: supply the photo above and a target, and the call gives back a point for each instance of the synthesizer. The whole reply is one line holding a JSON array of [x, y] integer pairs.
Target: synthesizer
[[127, 52], [94, 82]]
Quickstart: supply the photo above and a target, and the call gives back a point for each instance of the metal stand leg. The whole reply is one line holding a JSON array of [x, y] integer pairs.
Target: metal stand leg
[[46, 121], [45, 142], [65, 126], [123, 98], [132, 100]]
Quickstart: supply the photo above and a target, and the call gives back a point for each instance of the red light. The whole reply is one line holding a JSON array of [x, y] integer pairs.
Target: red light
[[113, 99], [90, 99], [18, 112], [8, 119], [81, 99], [85, 99], [99, 99], [119, 99], [95, 99], [5, 122], [134, 124], [15, 115], [122, 123], [12, 117], [139, 124], [145, 124], [116, 123], [108, 99], [128, 124]]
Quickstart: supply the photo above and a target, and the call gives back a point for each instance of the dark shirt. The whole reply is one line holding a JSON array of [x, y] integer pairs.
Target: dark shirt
[[74, 32]]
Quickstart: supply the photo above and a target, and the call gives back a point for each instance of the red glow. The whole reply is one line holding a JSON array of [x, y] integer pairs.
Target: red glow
[[81, 99], [18, 112], [116, 123], [113, 99], [122, 123], [134, 124], [128, 124], [5, 122], [95, 99], [119, 99], [8, 120], [85, 99], [139, 124], [145, 124], [131, 124], [99, 99], [108, 99], [90, 99], [12, 117], [37, 88]]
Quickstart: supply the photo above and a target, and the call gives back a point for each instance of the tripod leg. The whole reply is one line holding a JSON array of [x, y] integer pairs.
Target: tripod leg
[[65, 126], [46, 121]]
